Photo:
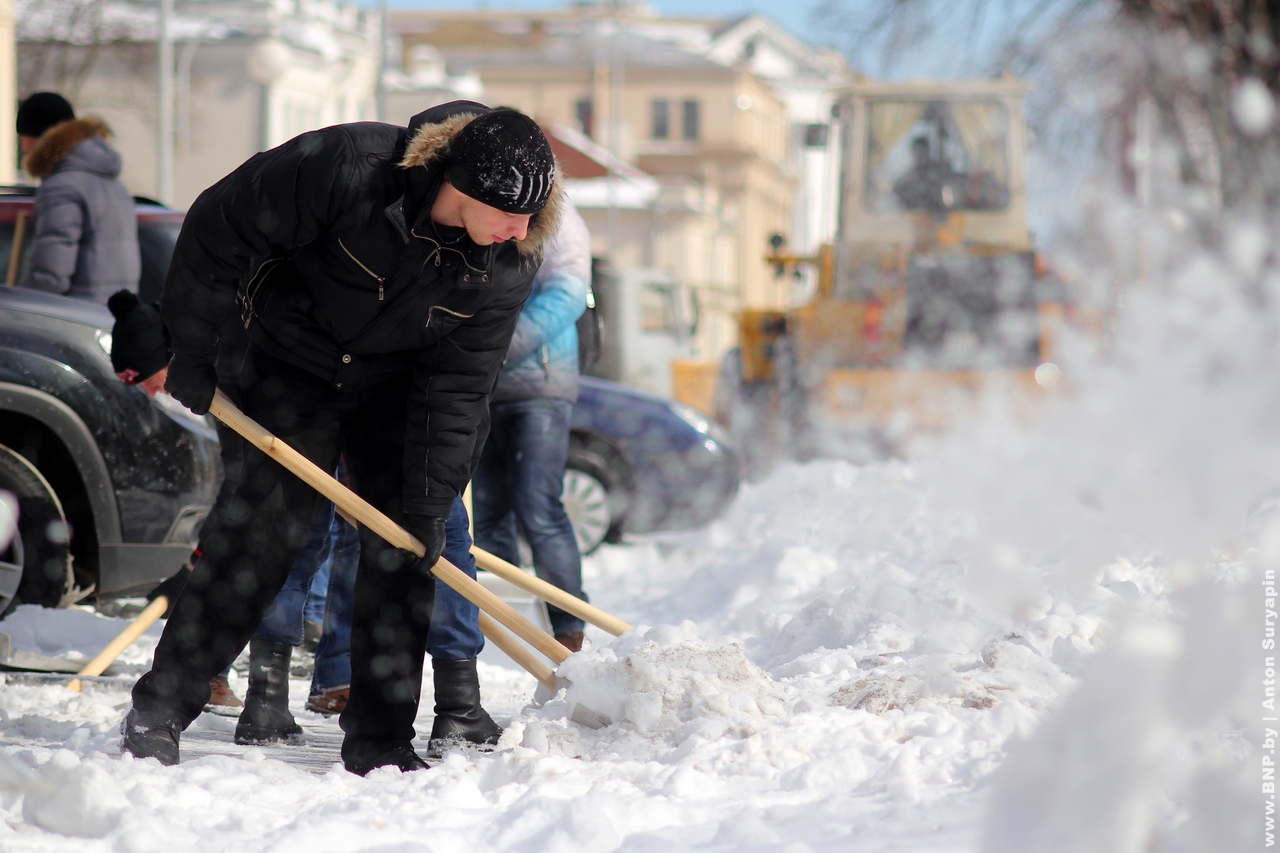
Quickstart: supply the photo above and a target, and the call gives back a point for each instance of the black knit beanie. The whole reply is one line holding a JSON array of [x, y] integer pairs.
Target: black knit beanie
[[502, 158], [42, 111], [139, 341]]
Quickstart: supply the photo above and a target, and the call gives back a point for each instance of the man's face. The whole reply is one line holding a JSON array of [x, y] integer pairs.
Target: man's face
[[154, 383], [487, 225]]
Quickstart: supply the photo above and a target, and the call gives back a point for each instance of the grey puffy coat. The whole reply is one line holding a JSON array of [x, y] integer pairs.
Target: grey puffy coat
[[85, 240]]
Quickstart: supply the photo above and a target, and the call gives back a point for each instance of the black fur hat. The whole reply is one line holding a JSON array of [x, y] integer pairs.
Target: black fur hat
[[139, 340]]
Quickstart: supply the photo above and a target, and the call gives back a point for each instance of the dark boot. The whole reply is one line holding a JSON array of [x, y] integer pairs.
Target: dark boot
[[401, 756], [459, 716], [222, 699], [266, 718], [571, 640], [150, 735], [329, 702]]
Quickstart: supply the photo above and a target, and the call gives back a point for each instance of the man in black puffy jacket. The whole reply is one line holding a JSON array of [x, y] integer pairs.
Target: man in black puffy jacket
[[380, 272]]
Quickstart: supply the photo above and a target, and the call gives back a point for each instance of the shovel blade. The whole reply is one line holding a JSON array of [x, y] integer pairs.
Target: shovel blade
[[579, 713], [11, 658]]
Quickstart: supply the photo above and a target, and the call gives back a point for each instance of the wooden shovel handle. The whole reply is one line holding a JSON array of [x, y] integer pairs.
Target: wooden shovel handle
[[123, 640], [518, 653], [366, 514], [548, 593]]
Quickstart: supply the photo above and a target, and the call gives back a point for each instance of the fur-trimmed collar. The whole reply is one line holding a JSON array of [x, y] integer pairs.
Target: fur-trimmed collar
[[57, 142], [430, 145]]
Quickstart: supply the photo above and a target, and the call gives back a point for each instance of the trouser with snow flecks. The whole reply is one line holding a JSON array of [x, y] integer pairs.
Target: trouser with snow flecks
[[248, 556]]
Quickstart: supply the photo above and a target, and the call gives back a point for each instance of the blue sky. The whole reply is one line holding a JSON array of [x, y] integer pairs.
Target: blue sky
[[792, 14]]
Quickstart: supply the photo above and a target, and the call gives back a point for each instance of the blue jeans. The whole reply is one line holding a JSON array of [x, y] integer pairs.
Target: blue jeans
[[333, 654], [520, 479], [283, 620], [455, 622], [331, 544], [455, 626]]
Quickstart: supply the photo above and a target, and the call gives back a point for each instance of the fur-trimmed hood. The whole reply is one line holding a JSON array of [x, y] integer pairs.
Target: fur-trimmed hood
[[59, 141], [429, 146]]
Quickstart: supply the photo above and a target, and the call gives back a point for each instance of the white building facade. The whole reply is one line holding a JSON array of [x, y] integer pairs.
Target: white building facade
[[249, 74]]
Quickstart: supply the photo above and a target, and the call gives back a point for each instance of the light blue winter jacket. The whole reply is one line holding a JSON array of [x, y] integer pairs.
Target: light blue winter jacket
[[542, 360]]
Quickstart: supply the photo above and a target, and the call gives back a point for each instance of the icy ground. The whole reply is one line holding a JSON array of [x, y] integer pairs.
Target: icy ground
[[819, 675]]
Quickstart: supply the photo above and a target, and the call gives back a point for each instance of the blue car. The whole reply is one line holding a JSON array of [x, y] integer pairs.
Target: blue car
[[641, 464]]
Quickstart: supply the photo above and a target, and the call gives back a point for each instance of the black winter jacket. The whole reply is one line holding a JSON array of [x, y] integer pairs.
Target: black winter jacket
[[329, 241]]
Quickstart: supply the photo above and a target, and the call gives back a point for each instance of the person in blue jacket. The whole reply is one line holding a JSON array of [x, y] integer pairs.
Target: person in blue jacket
[[521, 472]]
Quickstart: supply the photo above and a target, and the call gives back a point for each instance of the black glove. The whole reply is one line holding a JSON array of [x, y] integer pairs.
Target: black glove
[[429, 530], [191, 383], [171, 587]]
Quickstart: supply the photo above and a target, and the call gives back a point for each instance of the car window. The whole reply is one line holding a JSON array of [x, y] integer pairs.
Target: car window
[[6, 250], [156, 241]]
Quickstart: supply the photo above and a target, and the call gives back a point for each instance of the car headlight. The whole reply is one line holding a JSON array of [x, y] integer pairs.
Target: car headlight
[[104, 341], [182, 414], [704, 424]]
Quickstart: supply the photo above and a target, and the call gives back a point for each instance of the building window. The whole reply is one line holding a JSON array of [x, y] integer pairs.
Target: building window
[[586, 114], [661, 119], [691, 121], [815, 135]]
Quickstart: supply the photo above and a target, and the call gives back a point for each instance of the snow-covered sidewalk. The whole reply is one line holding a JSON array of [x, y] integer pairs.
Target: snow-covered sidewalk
[[817, 677]]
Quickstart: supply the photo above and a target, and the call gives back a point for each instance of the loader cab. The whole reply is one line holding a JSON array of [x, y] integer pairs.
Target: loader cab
[[934, 165], [933, 232]]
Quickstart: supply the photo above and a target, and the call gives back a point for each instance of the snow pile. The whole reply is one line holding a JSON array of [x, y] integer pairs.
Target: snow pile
[[662, 679], [65, 795]]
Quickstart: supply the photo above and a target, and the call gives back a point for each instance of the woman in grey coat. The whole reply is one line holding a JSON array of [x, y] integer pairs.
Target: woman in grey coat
[[85, 241]]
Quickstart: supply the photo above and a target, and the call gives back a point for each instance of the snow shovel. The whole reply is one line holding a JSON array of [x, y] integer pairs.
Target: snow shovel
[[11, 658], [18, 659], [548, 593], [123, 640], [357, 508]]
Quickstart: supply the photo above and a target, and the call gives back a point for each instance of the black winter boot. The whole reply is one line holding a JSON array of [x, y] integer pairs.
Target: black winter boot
[[150, 735], [400, 756], [459, 716], [266, 718]]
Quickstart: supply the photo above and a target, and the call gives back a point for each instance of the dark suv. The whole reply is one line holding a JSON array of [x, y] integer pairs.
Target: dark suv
[[112, 485]]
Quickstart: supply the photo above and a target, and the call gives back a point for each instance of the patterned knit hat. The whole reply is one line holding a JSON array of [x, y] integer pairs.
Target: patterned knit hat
[[502, 158]]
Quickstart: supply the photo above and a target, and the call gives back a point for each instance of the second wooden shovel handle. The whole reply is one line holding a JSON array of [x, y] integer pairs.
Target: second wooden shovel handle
[[548, 593], [367, 515]]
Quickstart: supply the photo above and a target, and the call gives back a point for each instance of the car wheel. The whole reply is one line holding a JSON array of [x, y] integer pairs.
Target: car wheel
[[36, 566], [594, 499]]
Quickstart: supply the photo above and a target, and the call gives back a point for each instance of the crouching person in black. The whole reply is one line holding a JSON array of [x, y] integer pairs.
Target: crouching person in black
[[382, 272]]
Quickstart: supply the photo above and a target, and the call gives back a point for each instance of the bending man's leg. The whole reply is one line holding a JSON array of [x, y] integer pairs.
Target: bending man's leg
[[248, 555], [393, 599]]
